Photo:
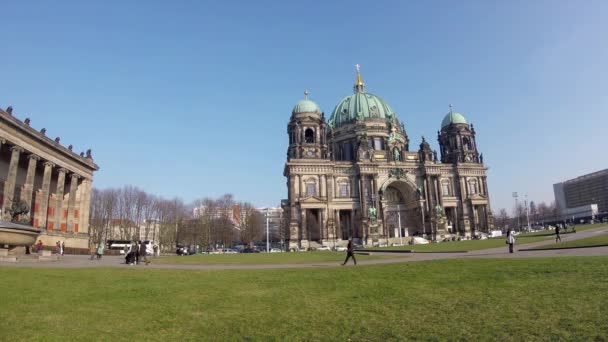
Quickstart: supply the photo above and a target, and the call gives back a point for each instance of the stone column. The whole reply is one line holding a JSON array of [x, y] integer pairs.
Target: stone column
[[323, 186], [11, 178], [87, 199], [46, 184], [304, 229], [322, 235], [438, 190], [28, 188], [72, 201], [352, 223], [338, 227], [59, 195], [362, 196]]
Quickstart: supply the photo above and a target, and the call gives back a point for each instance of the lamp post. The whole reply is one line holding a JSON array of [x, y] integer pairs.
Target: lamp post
[[516, 210], [527, 212]]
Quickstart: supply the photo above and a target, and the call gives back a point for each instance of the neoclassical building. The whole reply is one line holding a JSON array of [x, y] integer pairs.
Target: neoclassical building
[[354, 176], [54, 181]]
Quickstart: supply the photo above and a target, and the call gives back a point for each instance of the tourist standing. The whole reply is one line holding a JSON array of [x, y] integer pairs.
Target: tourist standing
[[61, 247], [511, 240], [143, 252], [350, 252], [557, 237]]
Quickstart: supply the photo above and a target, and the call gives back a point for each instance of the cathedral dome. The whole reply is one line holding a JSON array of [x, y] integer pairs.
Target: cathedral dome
[[453, 118], [360, 106], [306, 106]]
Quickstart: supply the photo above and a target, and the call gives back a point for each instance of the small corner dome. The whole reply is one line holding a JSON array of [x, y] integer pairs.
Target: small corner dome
[[453, 118], [306, 106]]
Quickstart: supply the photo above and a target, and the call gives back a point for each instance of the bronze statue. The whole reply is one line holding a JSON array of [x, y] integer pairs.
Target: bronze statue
[[372, 213], [18, 210]]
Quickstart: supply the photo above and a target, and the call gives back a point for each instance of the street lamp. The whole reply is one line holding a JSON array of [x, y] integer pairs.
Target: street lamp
[[516, 210], [527, 211]]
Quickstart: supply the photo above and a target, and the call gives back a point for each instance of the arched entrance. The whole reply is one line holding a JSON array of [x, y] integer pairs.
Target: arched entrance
[[401, 210]]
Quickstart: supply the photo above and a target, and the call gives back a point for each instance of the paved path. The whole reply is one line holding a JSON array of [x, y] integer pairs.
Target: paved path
[[81, 261]]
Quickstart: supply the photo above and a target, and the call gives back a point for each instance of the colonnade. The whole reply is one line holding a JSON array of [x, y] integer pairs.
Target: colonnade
[[48, 210]]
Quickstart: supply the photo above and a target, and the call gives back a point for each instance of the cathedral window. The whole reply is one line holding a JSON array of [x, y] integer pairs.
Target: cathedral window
[[309, 136], [378, 144], [343, 189], [445, 188], [311, 189], [466, 143], [473, 187]]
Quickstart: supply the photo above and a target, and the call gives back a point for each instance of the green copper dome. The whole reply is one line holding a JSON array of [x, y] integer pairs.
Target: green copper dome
[[360, 106], [306, 106], [453, 118]]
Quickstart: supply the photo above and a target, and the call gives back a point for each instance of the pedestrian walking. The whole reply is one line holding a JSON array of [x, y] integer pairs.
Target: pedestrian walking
[[511, 240], [557, 237], [99, 251], [143, 253], [350, 252], [61, 248], [39, 246]]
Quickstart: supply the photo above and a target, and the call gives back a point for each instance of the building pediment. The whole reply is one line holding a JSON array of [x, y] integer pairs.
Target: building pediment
[[312, 200]]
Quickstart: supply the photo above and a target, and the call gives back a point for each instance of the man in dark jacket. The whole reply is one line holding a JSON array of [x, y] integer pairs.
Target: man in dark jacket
[[350, 252], [143, 252]]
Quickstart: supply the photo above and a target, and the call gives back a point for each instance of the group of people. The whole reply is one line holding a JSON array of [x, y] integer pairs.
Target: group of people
[[60, 248], [138, 251]]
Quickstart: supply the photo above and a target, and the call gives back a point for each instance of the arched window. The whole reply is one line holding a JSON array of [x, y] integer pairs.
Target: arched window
[[309, 136], [473, 190], [445, 188]]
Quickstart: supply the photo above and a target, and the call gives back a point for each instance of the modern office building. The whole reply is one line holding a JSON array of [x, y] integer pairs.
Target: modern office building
[[581, 191]]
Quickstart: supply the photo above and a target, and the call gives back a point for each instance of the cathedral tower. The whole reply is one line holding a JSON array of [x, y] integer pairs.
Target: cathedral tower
[[457, 140]]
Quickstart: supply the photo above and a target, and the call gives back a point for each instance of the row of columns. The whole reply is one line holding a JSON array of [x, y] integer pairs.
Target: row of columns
[[28, 190]]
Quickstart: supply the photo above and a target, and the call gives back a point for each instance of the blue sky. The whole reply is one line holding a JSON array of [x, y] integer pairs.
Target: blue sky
[[192, 98]]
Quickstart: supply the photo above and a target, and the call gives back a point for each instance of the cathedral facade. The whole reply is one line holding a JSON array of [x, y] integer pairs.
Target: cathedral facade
[[355, 176]]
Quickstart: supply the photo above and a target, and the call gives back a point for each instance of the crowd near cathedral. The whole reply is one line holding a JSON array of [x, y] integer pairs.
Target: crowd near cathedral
[[355, 176]]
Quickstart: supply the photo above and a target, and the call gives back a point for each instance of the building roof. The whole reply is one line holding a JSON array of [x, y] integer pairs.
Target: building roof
[[453, 117], [306, 106]]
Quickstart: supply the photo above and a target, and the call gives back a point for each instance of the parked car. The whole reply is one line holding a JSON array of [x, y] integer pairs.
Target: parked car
[[275, 250], [229, 251], [417, 240], [323, 248], [340, 249], [250, 250]]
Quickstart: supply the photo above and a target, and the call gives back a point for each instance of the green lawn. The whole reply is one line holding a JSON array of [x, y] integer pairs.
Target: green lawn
[[262, 258], [579, 228], [468, 245], [598, 240], [459, 300]]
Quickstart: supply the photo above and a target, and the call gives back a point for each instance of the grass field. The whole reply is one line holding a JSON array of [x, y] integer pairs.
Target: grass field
[[579, 228], [472, 245], [590, 241], [468, 300], [262, 258], [468, 245]]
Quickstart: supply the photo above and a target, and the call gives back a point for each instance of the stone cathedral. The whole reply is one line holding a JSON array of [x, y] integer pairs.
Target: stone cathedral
[[356, 176]]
